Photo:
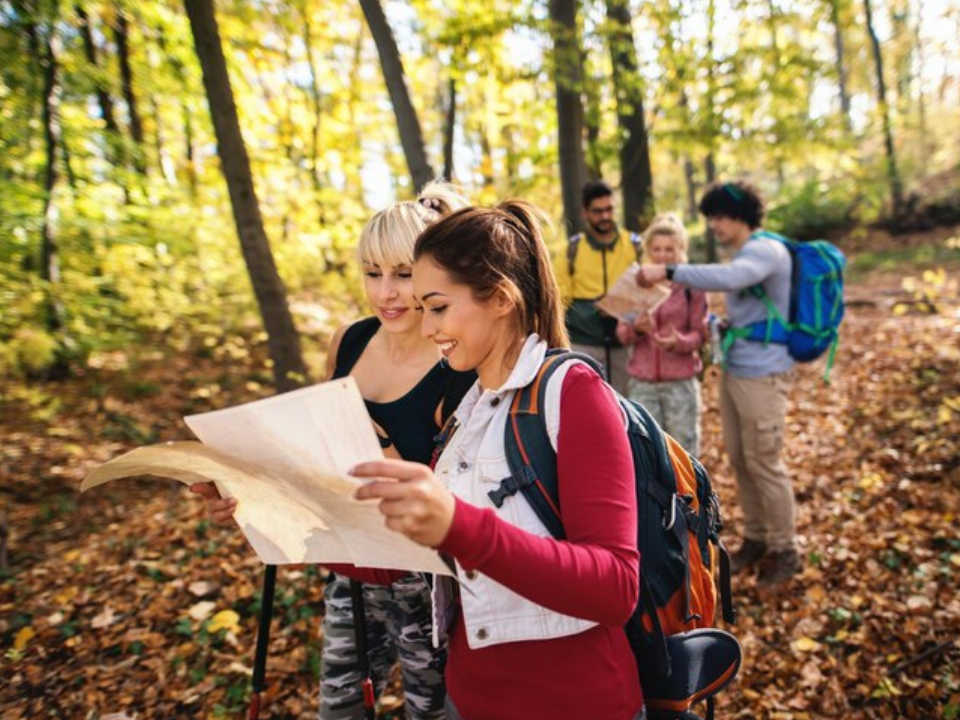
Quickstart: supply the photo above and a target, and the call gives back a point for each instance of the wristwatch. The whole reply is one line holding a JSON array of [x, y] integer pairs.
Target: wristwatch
[[670, 269]]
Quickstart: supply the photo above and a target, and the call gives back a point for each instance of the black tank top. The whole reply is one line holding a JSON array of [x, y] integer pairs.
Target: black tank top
[[409, 421]]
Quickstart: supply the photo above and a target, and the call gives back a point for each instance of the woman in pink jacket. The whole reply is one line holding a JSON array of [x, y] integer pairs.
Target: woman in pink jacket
[[665, 362]]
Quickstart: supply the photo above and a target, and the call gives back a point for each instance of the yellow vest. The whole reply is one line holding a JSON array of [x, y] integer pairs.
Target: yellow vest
[[594, 269]]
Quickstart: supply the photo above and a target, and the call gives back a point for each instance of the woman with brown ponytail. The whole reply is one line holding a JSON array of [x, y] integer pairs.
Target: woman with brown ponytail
[[536, 630]]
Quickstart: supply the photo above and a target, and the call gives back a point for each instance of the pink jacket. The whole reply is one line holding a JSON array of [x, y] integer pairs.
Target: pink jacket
[[684, 311]]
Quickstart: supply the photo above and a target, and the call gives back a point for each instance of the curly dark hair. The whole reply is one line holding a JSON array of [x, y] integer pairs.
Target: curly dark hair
[[738, 200], [592, 190]]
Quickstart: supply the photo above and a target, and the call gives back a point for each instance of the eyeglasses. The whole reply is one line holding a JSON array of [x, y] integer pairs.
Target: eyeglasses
[[605, 210]]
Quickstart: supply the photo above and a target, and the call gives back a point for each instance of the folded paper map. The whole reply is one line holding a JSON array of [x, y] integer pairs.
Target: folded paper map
[[627, 301], [285, 459]]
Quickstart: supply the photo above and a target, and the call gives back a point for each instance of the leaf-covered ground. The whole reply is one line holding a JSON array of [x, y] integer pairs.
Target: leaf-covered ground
[[126, 602]]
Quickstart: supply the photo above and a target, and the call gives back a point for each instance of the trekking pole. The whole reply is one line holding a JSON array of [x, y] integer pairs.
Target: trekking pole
[[263, 639], [360, 639], [606, 355]]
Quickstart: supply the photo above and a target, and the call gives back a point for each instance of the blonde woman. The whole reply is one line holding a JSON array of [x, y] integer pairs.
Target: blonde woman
[[665, 362], [408, 393], [536, 630]]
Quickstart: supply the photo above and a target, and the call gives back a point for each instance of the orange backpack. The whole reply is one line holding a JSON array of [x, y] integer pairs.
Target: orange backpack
[[684, 567]]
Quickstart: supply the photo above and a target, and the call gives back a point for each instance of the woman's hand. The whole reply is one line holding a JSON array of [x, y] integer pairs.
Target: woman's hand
[[219, 509], [644, 323], [649, 275], [412, 500], [667, 342]]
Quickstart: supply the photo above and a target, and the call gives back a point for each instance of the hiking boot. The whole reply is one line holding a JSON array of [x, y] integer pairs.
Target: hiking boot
[[748, 555], [778, 567]]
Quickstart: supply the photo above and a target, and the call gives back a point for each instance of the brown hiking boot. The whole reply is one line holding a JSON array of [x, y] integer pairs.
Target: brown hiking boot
[[748, 555], [778, 567]]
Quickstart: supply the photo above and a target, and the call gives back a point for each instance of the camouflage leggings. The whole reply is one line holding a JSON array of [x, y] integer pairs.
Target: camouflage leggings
[[398, 627], [675, 404]]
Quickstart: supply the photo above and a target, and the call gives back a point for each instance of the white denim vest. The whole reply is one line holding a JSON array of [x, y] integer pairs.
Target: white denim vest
[[473, 463]]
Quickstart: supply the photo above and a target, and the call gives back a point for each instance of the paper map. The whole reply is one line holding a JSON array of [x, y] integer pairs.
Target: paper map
[[285, 459]]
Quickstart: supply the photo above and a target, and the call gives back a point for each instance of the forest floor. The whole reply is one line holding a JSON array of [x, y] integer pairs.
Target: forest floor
[[126, 603]]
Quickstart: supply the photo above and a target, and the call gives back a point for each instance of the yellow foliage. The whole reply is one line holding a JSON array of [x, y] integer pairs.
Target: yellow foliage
[[33, 349], [225, 620], [23, 638], [805, 644]]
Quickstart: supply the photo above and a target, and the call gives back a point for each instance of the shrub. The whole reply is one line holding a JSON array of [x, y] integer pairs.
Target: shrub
[[812, 210]]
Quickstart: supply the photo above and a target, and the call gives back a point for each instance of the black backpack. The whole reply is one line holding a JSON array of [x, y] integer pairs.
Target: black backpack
[[681, 659]]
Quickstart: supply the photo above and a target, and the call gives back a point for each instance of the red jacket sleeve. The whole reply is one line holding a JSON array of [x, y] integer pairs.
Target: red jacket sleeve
[[593, 574], [375, 576]]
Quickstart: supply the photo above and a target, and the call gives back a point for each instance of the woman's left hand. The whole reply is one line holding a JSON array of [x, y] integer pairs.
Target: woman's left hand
[[412, 500], [667, 342]]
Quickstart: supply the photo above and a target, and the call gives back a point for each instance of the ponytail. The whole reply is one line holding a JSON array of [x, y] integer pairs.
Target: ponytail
[[542, 297], [501, 249]]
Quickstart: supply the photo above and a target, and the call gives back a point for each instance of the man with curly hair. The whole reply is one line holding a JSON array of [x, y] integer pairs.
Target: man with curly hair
[[757, 376]]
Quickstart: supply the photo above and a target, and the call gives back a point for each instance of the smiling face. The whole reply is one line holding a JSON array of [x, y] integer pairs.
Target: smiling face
[[663, 249], [471, 334], [389, 291]]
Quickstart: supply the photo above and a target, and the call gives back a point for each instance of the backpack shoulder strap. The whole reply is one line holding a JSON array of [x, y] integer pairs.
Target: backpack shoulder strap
[[530, 456], [573, 245]]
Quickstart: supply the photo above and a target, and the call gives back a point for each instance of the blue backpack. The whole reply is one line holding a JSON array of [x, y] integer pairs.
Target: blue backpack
[[816, 303]]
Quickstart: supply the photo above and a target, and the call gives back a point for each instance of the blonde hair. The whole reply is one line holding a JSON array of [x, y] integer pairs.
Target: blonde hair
[[389, 236], [669, 225]]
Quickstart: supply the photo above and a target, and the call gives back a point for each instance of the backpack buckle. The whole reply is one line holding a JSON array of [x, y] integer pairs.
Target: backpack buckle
[[512, 484], [669, 523]]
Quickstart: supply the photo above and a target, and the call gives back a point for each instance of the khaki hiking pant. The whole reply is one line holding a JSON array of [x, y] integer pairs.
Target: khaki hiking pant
[[753, 411]]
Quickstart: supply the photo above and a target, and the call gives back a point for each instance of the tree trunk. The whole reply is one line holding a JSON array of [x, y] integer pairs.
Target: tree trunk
[[710, 170], [411, 136], [690, 178], [593, 159], [893, 174], [568, 81], [283, 341], [164, 161], [49, 250], [449, 129], [316, 104], [486, 157], [104, 100], [841, 64], [925, 146], [635, 171], [193, 181], [710, 166], [121, 34]]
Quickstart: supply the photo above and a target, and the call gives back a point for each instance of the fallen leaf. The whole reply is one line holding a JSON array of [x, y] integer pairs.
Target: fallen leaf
[[202, 588], [104, 619], [23, 638], [201, 610], [225, 620]]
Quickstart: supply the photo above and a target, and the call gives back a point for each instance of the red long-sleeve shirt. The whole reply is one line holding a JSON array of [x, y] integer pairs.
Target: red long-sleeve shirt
[[592, 575]]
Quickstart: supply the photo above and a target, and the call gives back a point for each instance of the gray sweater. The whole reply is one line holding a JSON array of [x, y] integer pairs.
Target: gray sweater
[[761, 261]]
